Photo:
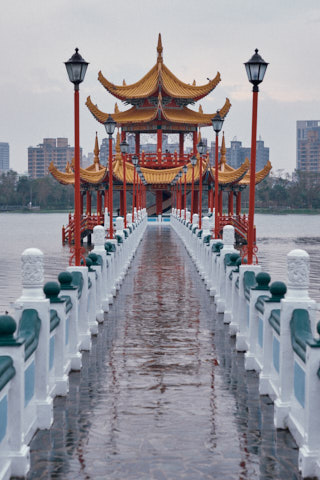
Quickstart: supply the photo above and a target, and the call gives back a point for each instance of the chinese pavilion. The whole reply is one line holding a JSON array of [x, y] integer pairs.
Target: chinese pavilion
[[159, 104]]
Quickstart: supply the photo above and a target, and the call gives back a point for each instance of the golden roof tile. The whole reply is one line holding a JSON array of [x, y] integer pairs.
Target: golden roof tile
[[159, 73], [232, 176], [259, 175], [134, 115]]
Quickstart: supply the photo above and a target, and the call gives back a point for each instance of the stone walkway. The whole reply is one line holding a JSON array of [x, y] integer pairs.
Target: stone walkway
[[163, 394]]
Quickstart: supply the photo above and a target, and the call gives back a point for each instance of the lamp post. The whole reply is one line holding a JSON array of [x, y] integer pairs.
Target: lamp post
[[110, 126], [217, 123], [202, 150], [256, 68], [185, 169], [124, 147], [135, 161], [76, 68], [193, 161]]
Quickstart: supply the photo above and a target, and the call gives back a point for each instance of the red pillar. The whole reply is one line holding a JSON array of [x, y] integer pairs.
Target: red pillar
[[159, 202], [230, 203], [98, 202], [220, 202], [106, 198], [238, 204], [81, 203], [251, 230], [194, 138], [195, 201], [88, 203], [159, 143], [137, 144], [181, 143], [110, 196], [121, 203], [77, 233]]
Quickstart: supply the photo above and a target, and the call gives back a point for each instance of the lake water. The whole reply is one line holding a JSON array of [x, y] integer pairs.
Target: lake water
[[277, 235]]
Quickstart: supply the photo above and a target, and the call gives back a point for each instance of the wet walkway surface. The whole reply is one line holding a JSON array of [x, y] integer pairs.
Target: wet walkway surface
[[163, 394]]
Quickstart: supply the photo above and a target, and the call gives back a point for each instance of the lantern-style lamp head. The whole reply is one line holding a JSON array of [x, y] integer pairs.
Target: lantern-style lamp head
[[185, 169], [256, 68], [76, 68], [217, 122], [135, 160], [193, 160], [110, 126], [124, 147], [201, 147]]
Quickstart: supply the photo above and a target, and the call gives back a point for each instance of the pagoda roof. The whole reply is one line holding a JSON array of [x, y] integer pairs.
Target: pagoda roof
[[159, 77], [145, 115], [231, 176], [259, 175], [159, 177]]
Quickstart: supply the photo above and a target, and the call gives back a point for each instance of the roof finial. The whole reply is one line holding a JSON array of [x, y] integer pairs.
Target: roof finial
[[223, 152], [159, 49], [96, 152], [116, 108]]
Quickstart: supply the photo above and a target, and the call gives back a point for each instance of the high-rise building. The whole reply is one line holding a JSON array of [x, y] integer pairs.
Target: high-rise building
[[236, 154], [104, 150], [308, 145], [4, 157], [56, 150]]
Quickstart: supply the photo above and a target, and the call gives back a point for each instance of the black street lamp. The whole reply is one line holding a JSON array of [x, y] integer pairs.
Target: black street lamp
[[135, 161], [217, 123], [202, 150], [76, 68], [110, 126], [124, 147], [193, 161], [256, 68]]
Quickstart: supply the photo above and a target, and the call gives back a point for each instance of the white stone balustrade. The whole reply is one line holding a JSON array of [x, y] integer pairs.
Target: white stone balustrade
[[44, 340], [277, 329]]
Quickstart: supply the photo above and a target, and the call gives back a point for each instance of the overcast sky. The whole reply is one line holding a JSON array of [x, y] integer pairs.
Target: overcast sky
[[200, 37]]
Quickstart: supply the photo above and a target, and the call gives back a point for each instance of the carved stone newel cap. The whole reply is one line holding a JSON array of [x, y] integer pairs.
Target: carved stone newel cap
[[98, 236], [228, 235], [298, 262], [32, 268]]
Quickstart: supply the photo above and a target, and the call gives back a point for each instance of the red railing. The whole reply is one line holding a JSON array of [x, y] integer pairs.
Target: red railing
[[161, 160], [240, 224], [87, 223]]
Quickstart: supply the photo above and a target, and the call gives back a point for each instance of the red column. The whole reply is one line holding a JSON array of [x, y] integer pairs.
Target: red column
[[252, 175], [106, 198], [216, 188], [98, 202], [181, 143], [230, 203], [110, 208], [159, 143], [81, 203], [88, 203], [192, 194], [137, 144], [159, 202], [200, 193], [220, 202], [211, 198], [196, 201], [77, 237], [121, 203], [238, 204], [194, 138], [124, 159]]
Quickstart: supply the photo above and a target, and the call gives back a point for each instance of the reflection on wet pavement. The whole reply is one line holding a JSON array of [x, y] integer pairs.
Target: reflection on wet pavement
[[163, 394]]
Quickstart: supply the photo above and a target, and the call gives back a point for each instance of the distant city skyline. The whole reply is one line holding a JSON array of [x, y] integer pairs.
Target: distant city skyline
[[4, 157], [120, 38]]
